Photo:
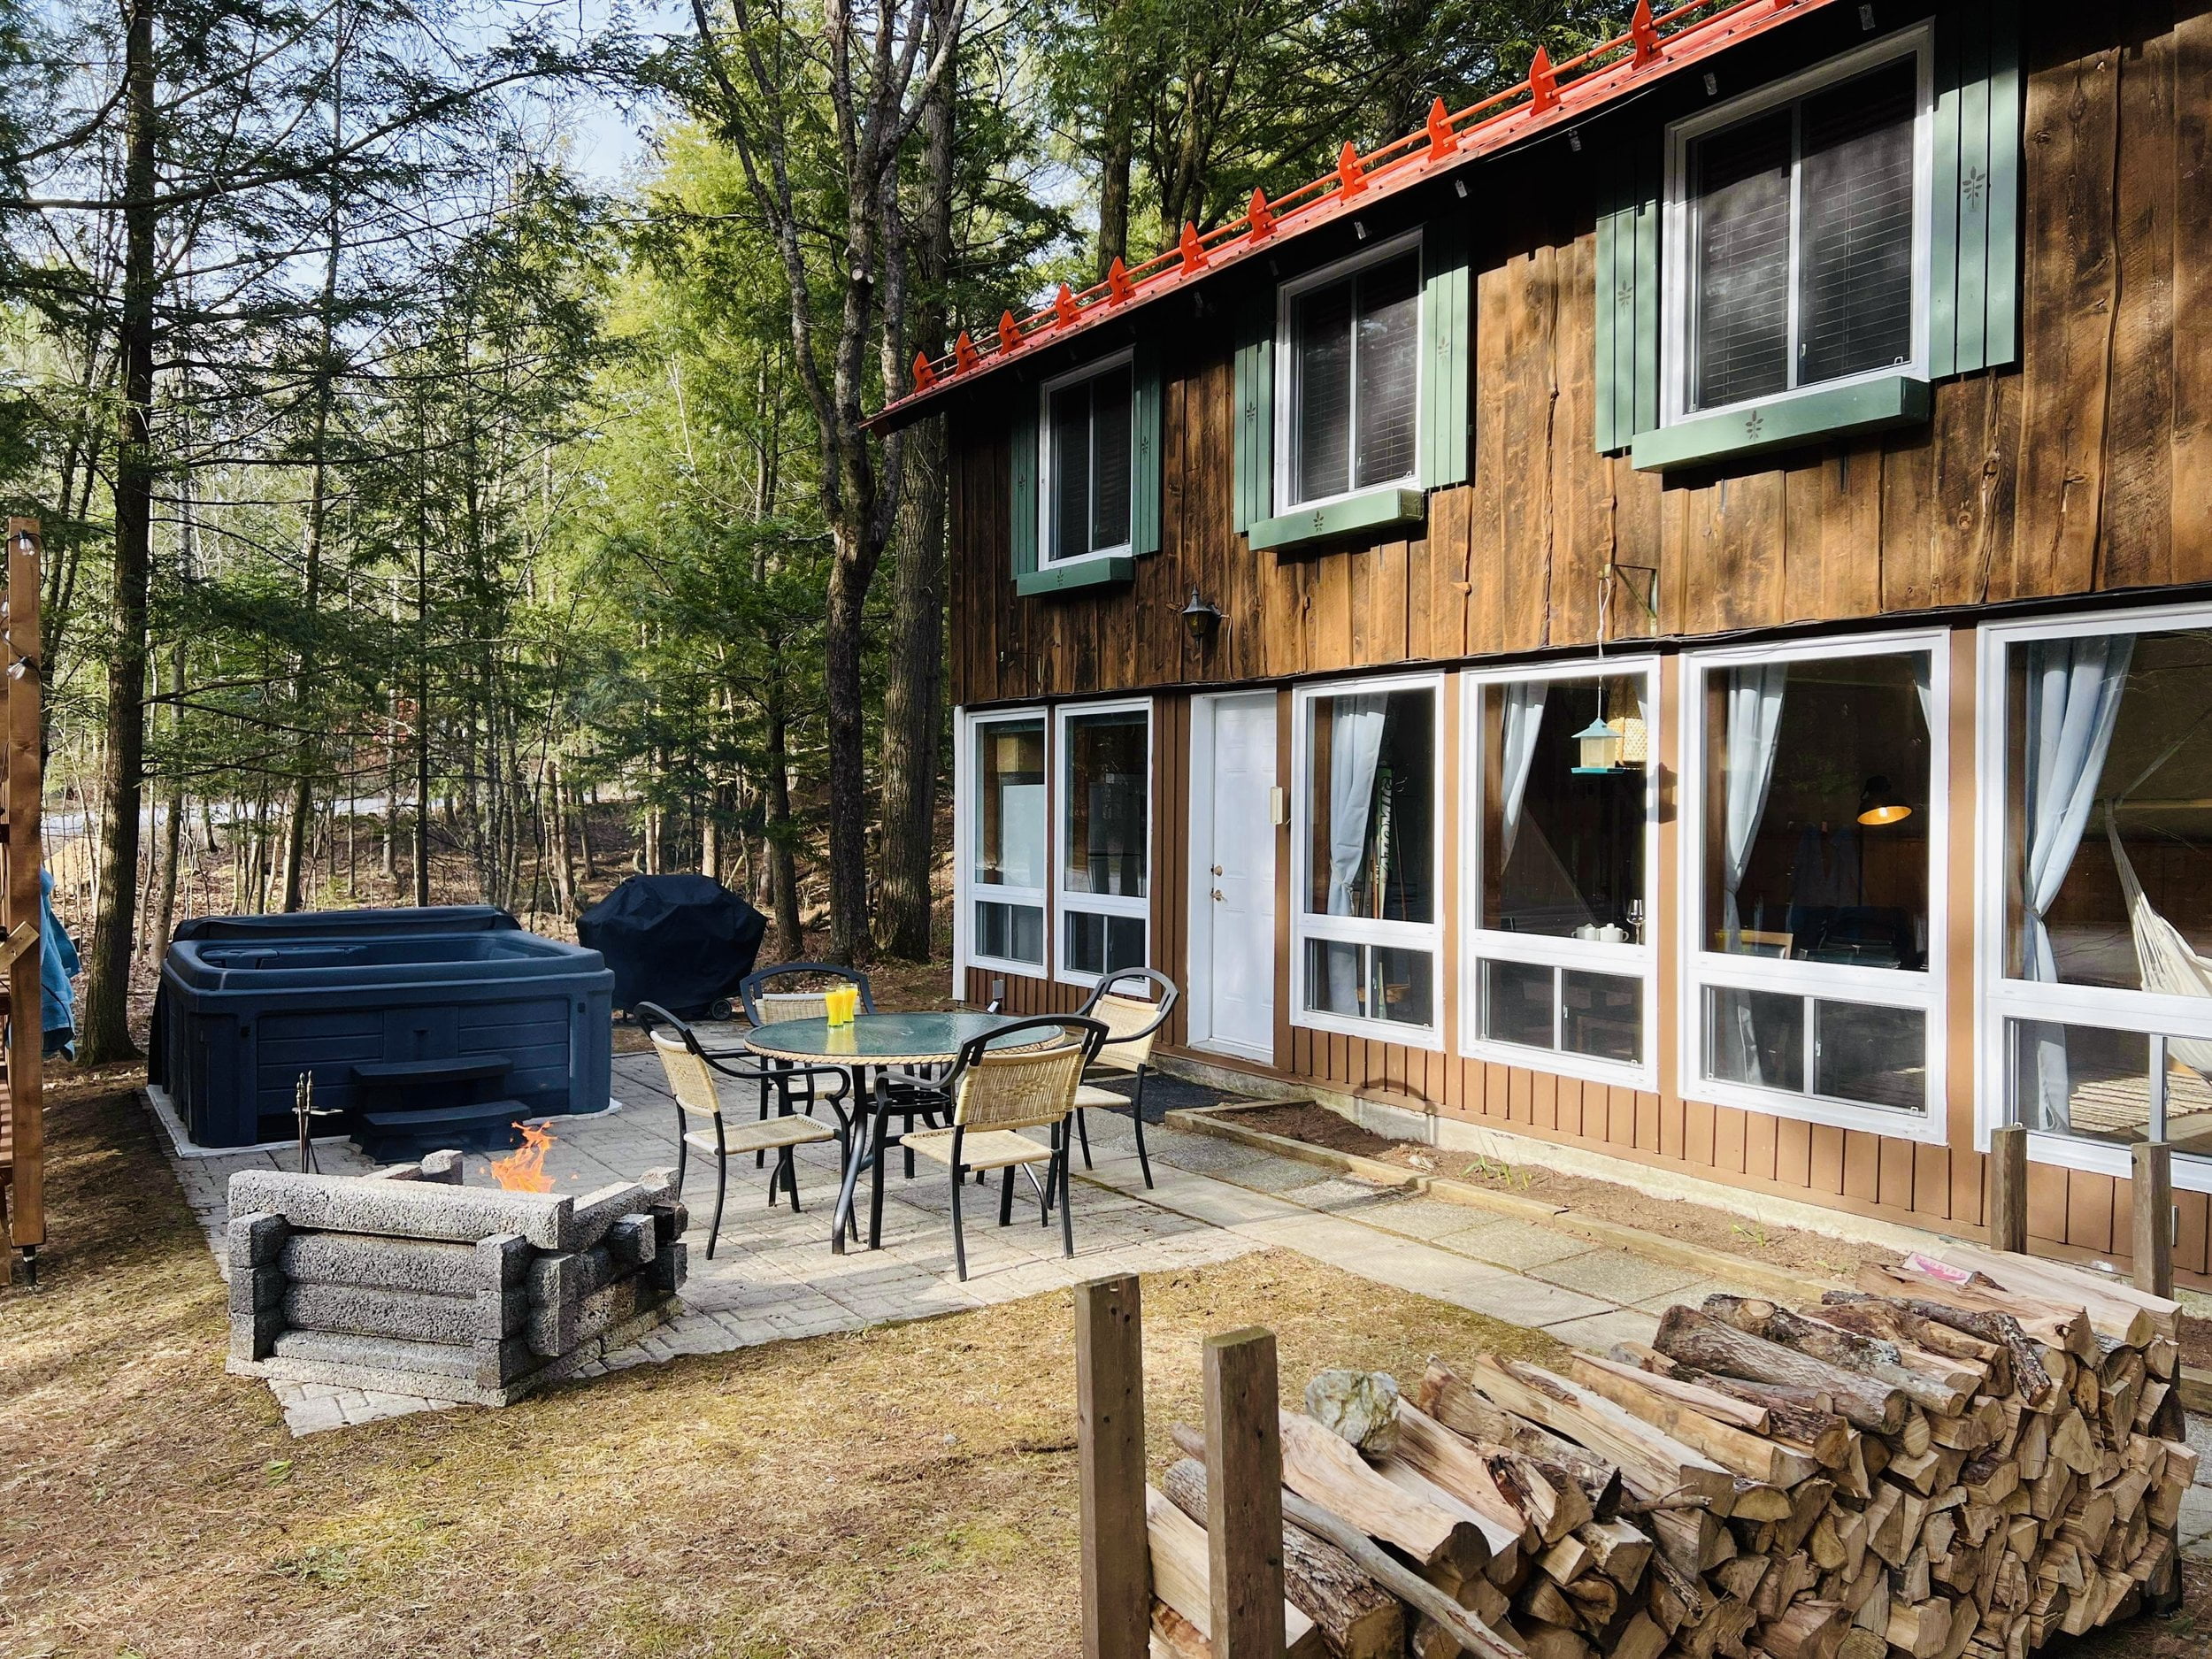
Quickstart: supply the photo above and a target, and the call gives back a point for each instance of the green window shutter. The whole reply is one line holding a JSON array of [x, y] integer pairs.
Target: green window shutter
[[1627, 297], [1022, 480], [1145, 456], [1447, 339], [1255, 410], [1974, 261]]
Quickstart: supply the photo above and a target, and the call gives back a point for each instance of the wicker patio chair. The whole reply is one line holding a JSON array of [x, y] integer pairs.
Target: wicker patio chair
[[1132, 1022], [997, 1093], [695, 1078]]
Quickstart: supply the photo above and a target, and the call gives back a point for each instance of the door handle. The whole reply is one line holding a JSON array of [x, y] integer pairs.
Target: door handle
[[1218, 870], [1217, 895]]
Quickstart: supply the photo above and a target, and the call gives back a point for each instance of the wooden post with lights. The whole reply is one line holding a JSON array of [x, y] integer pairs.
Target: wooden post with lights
[[22, 1106]]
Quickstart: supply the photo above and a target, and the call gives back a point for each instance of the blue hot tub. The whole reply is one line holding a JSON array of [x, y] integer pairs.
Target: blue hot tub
[[439, 1013]]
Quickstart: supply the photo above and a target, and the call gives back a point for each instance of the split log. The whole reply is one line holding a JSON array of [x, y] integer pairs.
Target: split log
[[2067, 1329], [1708, 1344], [1806, 1630], [1321, 1468], [1656, 1372], [1847, 1351], [1453, 1402], [1360, 1618], [1180, 1573], [1750, 1455], [1646, 1456], [2031, 1379], [1456, 1465], [1799, 1417], [2055, 1282], [1175, 1637]]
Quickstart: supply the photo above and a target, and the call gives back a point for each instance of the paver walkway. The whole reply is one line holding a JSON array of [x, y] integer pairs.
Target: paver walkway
[[774, 1275]]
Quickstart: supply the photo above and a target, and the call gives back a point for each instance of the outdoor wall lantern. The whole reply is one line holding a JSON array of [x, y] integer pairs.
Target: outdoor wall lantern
[[1879, 803], [1200, 619]]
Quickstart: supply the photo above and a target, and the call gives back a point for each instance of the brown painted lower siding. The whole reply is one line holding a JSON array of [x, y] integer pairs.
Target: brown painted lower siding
[[2071, 1214]]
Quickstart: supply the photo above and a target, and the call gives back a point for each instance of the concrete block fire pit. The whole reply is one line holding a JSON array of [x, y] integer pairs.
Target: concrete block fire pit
[[407, 1282]]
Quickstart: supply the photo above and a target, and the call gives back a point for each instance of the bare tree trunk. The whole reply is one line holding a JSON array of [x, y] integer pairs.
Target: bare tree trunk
[[913, 688], [104, 1032], [783, 875], [307, 752], [1116, 150]]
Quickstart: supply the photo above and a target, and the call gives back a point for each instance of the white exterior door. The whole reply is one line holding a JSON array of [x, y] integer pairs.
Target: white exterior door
[[1232, 874]]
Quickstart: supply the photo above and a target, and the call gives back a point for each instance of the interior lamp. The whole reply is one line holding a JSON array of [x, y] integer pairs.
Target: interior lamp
[[1599, 747], [1879, 803]]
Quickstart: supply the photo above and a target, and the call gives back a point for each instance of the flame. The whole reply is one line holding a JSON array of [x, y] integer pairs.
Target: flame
[[523, 1170]]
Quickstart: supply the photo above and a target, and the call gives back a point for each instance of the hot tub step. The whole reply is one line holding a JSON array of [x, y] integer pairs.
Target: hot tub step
[[387, 1136], [463, 1070]]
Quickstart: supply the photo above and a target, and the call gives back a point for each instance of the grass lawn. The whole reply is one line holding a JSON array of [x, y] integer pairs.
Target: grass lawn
[[907, 1490]]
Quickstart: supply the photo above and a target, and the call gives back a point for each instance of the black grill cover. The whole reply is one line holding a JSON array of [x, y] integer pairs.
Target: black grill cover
[[681, 941]]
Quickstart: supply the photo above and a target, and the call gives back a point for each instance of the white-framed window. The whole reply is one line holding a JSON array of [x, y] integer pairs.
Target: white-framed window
[[2093, 923], [1814, 811], [1347, 394], [1001, 787], [1105, 842], [1798, 231], [1085, 433], [1559, 856], [1367, 769]]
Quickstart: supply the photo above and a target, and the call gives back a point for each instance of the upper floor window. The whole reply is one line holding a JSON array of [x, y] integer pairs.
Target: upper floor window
[[1087, 446], [1352, 362], [1799, 247]]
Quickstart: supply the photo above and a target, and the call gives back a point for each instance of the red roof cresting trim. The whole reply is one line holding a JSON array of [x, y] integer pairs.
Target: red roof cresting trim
[[1554, 94]]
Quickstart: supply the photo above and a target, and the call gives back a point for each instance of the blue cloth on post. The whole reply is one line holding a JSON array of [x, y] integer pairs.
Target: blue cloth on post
[[56, 966]]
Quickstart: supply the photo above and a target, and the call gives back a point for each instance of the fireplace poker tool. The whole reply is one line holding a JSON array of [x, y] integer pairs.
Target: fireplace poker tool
[[305, 1111]]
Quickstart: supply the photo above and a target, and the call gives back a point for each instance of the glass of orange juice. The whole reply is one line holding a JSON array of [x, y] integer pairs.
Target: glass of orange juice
[[838, 1002]]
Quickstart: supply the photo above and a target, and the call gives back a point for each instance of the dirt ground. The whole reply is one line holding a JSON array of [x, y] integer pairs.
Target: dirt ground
[[1693, 1224], [910, 1490]]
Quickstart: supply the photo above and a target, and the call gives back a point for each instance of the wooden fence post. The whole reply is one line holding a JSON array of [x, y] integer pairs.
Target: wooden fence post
[[2154, 1218], [2007, 1200], [1244, 1497], [1110, 1459]]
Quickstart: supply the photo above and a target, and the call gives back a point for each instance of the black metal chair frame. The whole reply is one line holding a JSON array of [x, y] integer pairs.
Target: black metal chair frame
[[781, 1079], [1094, 1034], [750, 986], [1169, 992]]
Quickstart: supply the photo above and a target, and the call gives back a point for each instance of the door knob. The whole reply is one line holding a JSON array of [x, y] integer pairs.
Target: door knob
[[1217, 895], [1218, 870]]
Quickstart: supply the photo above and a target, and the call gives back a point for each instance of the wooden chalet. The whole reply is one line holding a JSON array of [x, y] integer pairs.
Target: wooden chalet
[[1668, 613]]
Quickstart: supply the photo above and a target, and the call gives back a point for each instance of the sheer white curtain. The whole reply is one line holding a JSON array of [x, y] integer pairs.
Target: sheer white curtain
[[1755, 726], [1355, 737], [1754, 723], [1521, 718], [2073, 704]]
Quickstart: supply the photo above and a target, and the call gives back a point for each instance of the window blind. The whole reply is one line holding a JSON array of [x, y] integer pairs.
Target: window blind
[[1070, 475], [1387, 358], [1321, 394], [1110, 453], [1740, 184], [1855, 265]]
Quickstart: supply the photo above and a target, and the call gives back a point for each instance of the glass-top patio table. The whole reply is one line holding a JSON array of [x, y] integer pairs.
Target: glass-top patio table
[[872, 1042]]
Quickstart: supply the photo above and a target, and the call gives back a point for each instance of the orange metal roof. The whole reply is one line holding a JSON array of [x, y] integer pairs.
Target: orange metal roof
[[1553, 95]]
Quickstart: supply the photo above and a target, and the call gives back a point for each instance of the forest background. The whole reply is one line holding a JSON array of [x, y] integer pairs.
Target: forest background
[[433, 514]]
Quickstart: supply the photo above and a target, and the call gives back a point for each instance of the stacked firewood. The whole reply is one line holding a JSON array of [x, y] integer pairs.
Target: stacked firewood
[[1959, 1459]]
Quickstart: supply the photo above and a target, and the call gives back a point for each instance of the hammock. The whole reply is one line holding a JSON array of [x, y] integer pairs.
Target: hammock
[[2170, 964]]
